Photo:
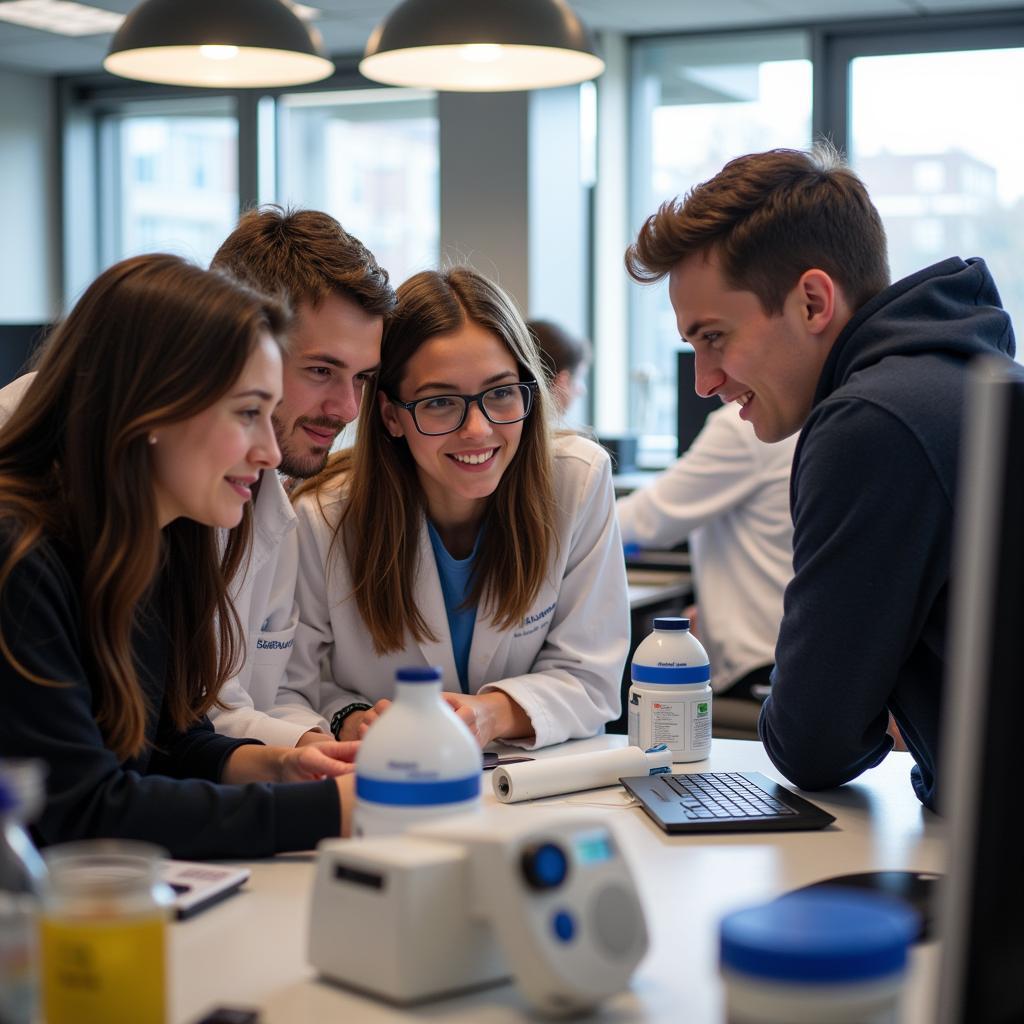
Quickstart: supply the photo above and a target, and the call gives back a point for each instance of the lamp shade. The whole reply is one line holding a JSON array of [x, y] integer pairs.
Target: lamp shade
[[217, 43], [481, 46]]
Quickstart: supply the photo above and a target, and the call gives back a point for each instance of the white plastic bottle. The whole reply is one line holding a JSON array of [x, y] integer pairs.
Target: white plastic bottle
[[417, 762], [670, 697], [22, 878]]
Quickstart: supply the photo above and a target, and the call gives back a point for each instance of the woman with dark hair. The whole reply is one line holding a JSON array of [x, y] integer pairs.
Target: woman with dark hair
[[140, 440], [459, 532]]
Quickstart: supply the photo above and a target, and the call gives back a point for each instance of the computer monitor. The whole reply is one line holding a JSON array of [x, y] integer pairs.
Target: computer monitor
[[17, 343], [691, 409], [982, 918]]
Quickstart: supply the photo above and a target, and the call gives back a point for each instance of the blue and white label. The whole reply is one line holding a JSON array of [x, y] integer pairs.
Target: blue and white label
[[666, 675], [417, 793]]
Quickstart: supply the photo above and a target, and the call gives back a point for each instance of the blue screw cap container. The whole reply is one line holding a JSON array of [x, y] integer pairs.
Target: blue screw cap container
[[823, 936]]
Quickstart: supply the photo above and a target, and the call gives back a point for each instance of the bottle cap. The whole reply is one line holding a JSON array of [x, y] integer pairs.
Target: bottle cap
[[828, 935], [8, 798], [430, 674], [22, 788], [671, 622]]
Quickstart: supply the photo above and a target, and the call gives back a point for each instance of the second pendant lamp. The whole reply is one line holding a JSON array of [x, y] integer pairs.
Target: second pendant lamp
[[481, 46]]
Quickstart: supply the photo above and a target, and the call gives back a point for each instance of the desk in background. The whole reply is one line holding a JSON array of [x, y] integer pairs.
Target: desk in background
[[251, 950]]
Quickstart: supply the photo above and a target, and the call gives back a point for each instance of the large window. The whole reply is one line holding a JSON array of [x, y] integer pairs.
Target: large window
[[172, 181], [899, 97], [173, 175], [945, 171], [698, 103], [371, 160]]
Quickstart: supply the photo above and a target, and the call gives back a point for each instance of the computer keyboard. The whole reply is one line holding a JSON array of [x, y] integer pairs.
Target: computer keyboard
[[723, 795], [724, 802]]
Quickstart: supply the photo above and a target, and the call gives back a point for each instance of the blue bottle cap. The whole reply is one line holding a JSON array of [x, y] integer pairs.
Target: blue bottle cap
[[825, 935], [430, 674], [671, 622], [8, 797]]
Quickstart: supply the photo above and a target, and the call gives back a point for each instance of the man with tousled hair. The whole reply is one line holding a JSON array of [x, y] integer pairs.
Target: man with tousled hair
[[779, 279], [338, 295]]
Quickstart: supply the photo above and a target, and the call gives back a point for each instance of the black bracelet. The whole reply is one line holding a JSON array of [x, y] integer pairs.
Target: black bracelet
[[338, 718]]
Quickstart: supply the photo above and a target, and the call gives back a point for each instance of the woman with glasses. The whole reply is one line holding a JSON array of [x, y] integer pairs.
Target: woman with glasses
[[460, 532]]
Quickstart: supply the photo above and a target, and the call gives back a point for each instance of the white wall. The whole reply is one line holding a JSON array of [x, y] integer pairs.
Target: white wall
[[29, 257]]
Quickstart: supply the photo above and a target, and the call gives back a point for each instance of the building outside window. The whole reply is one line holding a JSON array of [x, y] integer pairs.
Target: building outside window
[[945, 171], [174, 186]]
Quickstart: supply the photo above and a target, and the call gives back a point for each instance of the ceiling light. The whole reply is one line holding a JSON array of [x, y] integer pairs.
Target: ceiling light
[[228, 44], [60, 16], [481, 46]]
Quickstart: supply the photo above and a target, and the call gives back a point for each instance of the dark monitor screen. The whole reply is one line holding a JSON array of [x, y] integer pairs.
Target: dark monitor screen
[[691, 410], [17, 343], [983, 731]]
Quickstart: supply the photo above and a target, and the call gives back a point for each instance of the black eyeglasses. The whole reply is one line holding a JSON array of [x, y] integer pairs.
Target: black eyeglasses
[[442, 414]]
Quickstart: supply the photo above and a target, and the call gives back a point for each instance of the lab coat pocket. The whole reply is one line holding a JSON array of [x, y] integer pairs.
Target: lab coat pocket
[[274, 648]]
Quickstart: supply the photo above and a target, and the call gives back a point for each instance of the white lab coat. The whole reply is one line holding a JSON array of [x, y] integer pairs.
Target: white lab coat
[[562, 664], [264, 598], [729, 494]]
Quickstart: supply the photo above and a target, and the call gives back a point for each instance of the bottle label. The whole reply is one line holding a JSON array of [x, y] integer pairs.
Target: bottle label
[[665, 675], [412, 793]]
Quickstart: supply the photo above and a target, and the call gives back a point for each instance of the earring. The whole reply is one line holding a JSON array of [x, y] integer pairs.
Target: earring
[[152, 438]]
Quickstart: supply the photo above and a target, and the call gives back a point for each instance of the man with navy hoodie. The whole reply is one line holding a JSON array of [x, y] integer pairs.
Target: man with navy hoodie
[[779, 279]]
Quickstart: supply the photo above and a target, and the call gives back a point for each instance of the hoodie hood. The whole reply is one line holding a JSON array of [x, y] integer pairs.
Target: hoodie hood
[[951, 308]]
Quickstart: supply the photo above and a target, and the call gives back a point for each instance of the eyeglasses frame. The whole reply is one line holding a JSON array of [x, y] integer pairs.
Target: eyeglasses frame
[[531, 386]]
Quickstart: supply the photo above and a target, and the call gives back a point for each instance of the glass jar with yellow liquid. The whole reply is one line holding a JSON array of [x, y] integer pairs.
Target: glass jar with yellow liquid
[[103, 934]]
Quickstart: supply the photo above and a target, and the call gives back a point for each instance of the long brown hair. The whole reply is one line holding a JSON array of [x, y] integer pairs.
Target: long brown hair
[[152, 341], [769, 217], [380, 525]]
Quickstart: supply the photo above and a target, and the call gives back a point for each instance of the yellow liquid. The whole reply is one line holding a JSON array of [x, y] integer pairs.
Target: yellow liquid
[[104, 971]]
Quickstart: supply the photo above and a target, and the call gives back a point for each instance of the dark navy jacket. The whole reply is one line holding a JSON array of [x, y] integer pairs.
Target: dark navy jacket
[[872, 493], [170, 794]]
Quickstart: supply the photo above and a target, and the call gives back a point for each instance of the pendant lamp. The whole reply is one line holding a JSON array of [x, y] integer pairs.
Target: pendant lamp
[[481, 46], [227, 44]]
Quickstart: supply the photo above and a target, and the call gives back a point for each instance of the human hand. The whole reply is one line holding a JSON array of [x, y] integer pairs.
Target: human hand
[[314, 736], [347, 796], [898, 742], [324, 760], [692, 614], [489, 716], [364, 719]]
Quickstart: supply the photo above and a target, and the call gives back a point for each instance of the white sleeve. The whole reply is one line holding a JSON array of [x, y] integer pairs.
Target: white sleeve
[[717, 473], [267, 654], [314, 634], [576, 683]]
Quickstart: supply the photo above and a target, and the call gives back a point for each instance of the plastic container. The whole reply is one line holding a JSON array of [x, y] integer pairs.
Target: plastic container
[[827, 956], [22, 883], [670, 696], [418, 761], [103, 934]]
